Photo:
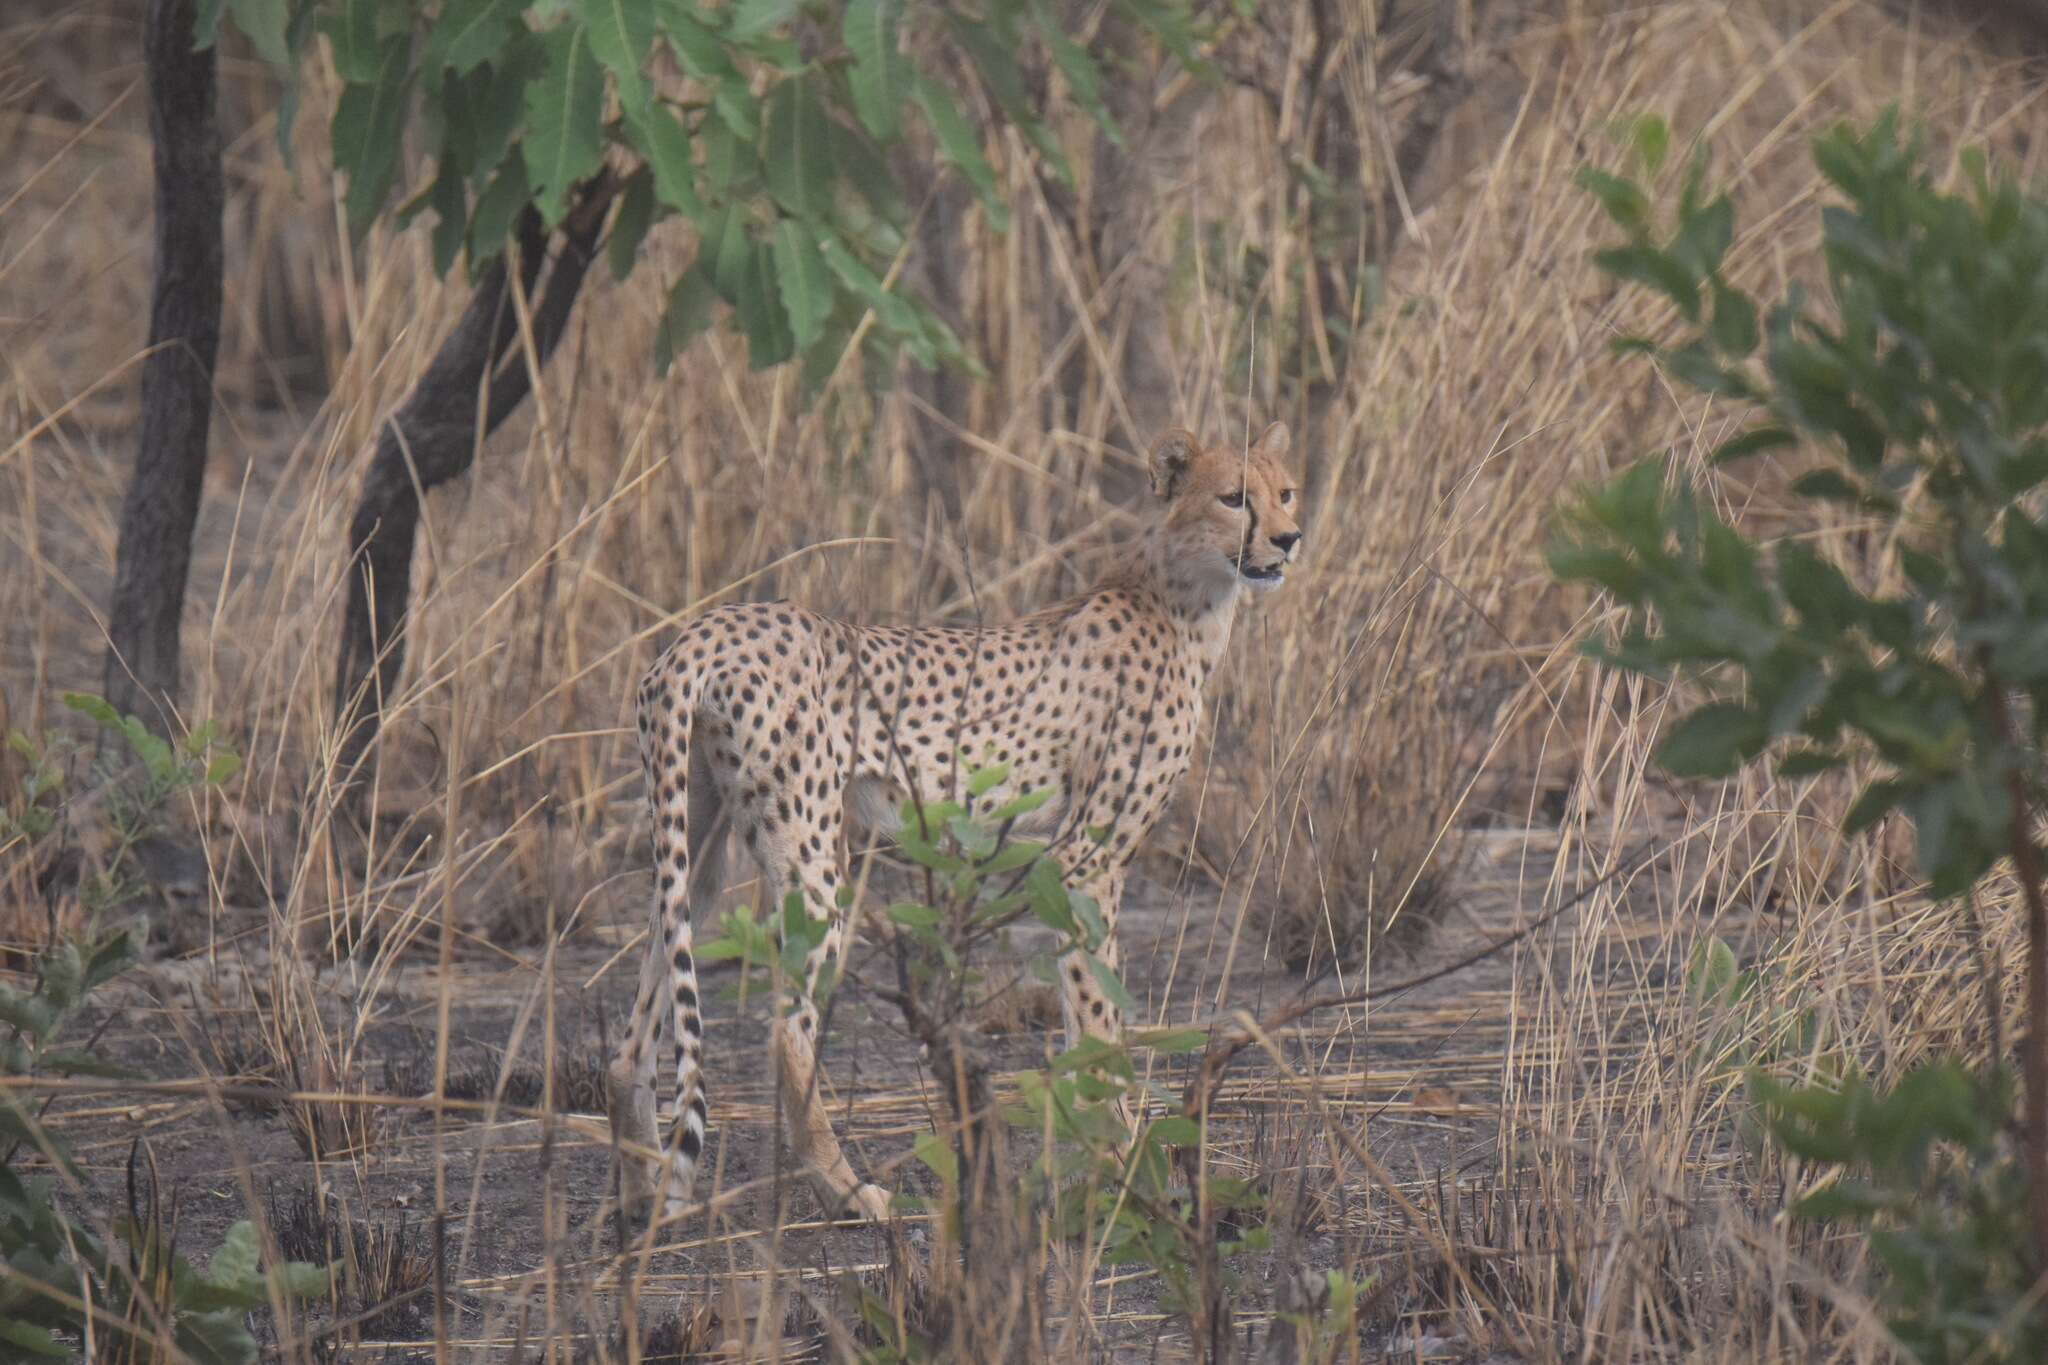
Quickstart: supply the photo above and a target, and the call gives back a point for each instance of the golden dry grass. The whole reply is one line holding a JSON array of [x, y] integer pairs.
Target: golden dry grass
[[1403, 734]]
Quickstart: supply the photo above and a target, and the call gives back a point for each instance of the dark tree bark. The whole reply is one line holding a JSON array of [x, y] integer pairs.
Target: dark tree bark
[[155, 551], [477, 378]]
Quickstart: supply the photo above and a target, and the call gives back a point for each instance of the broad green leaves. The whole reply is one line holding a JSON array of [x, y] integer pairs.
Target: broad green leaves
[[961, 146], [797, 154], [367, 122], [471, 32], [805, 283], [879, 69], [621, 31], [562, 143], [779, 159], [1926, 372], [1926, 1177]]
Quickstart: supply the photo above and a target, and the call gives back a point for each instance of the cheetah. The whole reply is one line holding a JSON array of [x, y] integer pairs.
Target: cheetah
[[785, 726]]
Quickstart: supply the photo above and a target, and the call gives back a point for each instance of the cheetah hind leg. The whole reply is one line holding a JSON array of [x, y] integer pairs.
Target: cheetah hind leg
[[629, 1092]]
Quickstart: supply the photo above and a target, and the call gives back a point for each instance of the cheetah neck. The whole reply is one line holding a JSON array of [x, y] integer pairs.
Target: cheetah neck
[[1199, 604]]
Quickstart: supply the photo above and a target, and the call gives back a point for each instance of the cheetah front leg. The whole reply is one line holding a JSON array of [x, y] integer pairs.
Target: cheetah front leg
[[1088, 1010], [794, 1039]]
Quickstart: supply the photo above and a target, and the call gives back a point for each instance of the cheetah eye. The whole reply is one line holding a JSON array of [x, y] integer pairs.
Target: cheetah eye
[[1286, 496], [1234, 498]]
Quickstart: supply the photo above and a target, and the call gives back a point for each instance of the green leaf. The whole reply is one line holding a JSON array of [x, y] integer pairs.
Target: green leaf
[[238, 1261], [1050, 900], [1703, 238], [913, 916], [1647, 265], [63, 973], [1734, 326], [629, 228], [660, 137], [365, 132], [1710, 977], [302, 1280], [26, 1336], [940, 1159], [353, 39], [29, 1013], [1713, 741], [1845, 1199], [1752, 443], [451, 228], [961, 146], [1084, 80], [982, 781], [797, 152], [860, 164], [1825, 600], [490, 224], [1091, 1054], [112, 957], [1021, 805], [206, 23], [1013, 854], [758, 303], [97, 708], [700, 50], [471, 32], [1621, 199], [753, 18], [495, 100], [1652, 138], [1112, 985], [1924, 571], [263, 23], [879, 71], [1809, 762], [217, 1338], [1876, 801], [688, 313], [892, 310], [620, 33], [993, 45], [564, 113], [222, 766], [1089, 916], [805, 283], [1172, 1041], [1694, 364]]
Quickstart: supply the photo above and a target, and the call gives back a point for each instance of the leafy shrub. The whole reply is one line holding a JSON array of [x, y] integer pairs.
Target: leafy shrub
[[1923, 377], [142, 1295], [1926, 1168], [136, 777]]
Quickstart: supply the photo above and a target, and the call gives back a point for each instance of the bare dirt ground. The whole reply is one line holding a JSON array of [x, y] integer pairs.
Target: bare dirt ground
[[1418, 1078]]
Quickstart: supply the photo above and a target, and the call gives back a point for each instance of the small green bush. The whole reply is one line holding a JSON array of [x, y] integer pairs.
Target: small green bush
[[1921, 382], [140, 1293]]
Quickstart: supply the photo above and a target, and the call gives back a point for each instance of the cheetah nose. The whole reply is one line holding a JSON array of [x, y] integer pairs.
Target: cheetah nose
[[1286, 543]]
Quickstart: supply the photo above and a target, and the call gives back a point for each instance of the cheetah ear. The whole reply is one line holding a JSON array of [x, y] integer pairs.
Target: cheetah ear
[[1170, 459], [1274, 440]]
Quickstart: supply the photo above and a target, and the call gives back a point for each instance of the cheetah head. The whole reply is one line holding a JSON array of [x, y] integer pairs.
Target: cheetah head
[[1229, 511]]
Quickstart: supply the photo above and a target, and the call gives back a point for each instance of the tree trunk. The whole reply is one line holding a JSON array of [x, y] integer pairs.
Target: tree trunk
[[433, 437], [155, 548]]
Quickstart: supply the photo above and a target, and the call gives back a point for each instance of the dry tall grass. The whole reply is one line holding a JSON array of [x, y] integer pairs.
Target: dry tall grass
[[1414, 684]]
